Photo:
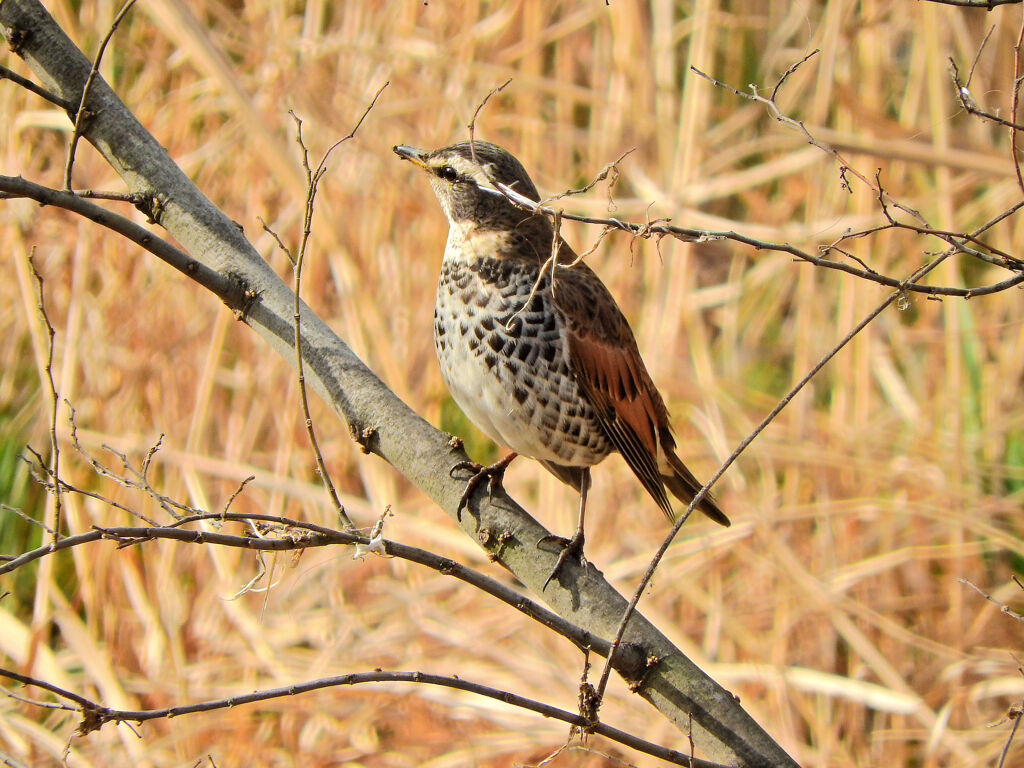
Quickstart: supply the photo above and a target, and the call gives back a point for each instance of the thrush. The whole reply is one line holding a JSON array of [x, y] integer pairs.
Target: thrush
[[535, 351]]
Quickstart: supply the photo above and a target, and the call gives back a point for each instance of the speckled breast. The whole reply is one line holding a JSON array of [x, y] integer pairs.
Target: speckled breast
[[504, 358]]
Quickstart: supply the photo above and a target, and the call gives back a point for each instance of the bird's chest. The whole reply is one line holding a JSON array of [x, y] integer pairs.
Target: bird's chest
[[504, 357], [492, 330]]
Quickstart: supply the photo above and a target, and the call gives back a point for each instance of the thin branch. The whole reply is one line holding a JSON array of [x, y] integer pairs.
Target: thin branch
[[53, 469], [312, 183], [969, 105], [94, 715], [28, 519], [1009, 739], [981, 49], [797, 125], [38, 90], [656, 560], [137, 481], [792, 68], [1003, 607], [294, 535], [476, 113], [1015, 105], [81, 112], [228, 289], [611, 168], [703, 235]]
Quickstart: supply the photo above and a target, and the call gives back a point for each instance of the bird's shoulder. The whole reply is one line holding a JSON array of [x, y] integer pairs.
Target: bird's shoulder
[[603, 350]]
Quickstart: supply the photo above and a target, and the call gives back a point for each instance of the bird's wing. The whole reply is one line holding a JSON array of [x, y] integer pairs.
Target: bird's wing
[[612, 375], [608, 369]]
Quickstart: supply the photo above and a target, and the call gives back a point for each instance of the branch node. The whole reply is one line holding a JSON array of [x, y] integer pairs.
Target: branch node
[[16, 38]]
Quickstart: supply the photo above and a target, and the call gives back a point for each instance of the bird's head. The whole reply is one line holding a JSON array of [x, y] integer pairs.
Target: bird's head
[[463, 176]]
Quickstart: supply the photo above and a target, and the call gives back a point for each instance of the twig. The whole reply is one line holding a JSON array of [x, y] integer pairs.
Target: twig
[[54, 465], [28, 519], [229, 290], [792, 68], [38, 90], [1003, 607], [296, 535], [312, 183], [1015, 104], [967, 103], [476, 113], [656, 560], [610, 168], [797, 125], [94, 715], [81, 111], [977, 56], [1009, 739], [138, 481], [703, 235]]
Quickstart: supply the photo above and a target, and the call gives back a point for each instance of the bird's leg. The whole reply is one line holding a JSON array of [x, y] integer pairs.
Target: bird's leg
[[574, 546], [493, 473]]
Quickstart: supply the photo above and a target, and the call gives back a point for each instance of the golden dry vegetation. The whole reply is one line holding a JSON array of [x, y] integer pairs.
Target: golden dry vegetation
[[833, 606]]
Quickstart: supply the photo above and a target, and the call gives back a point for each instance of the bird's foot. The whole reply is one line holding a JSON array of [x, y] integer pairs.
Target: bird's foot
[[570, 548], [492, 473]]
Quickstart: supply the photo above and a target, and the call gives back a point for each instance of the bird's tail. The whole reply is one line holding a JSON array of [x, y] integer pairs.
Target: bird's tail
[[684, 486]]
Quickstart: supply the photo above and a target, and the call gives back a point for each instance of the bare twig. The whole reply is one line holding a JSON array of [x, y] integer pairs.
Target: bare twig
[[1015, 104], [656, 560], [313, 178], [27, 518], [297, 535], [1009, 738], [53, 469], [981, 49], [611, 168], [94, 715], [1003, 607], [81, 112], [476, 113], [134, 198], [968, 104], [228, 289], [792, 68], [38, 90], [703, 235]]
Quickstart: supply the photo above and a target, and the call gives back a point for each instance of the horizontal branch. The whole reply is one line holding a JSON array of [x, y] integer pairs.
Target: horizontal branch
[[630, 662], [94, 715], [956, 240], [229, 290]]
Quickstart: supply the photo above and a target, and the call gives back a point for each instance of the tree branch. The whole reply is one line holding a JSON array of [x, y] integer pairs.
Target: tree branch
[[693, 702]]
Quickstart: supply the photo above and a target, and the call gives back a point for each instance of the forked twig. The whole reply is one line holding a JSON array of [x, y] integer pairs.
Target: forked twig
[[313, 178]]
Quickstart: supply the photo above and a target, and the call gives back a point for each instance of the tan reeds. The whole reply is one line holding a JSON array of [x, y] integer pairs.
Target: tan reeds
[[831, 607]]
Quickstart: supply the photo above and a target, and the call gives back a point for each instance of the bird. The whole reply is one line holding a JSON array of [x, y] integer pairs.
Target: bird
[[533, 348]]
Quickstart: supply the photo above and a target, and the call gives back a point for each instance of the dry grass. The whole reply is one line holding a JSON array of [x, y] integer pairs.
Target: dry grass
[[832, 607]]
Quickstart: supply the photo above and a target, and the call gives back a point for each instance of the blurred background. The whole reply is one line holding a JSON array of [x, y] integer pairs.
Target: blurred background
[[833, 607]]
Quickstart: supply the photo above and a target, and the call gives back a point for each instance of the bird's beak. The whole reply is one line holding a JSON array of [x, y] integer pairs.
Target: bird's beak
[[417, 157]]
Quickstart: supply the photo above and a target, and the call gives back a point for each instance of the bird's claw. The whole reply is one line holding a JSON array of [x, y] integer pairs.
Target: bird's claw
[[492, 473], [570, 548]]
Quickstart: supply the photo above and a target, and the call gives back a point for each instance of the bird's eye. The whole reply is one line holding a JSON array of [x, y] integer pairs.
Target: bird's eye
[[447, 173]]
